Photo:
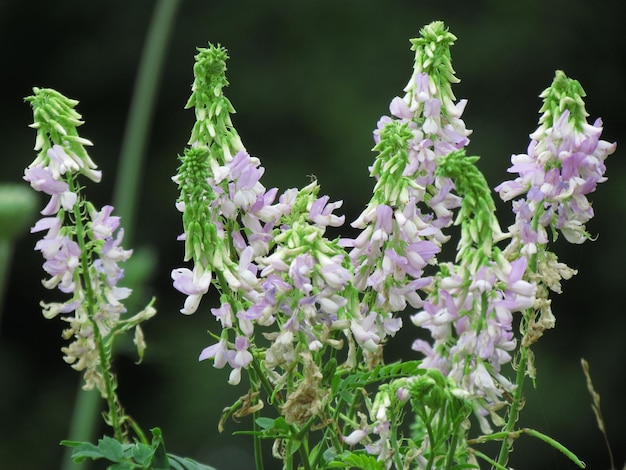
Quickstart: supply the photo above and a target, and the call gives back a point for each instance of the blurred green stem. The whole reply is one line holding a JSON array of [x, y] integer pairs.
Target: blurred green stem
[[18, 207], [6, 253], [85, 413], [83, 424], [140, 114]]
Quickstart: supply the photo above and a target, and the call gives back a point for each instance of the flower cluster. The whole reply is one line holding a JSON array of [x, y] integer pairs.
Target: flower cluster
[[291, 298], [469, 306], [402, 224], [81, 245], [470, 318], [564, 163], [305, 317], [266, 252]]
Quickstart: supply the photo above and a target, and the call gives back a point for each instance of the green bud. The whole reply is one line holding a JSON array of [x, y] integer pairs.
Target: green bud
[[392, 184], [563, 94], [56, 122], [196, 194], [432, 56], [479, 225], [427, 391], [213, 124]]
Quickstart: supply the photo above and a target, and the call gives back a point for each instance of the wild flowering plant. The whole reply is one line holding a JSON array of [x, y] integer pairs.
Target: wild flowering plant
[[304, 318], [82, 249], [307, 317]]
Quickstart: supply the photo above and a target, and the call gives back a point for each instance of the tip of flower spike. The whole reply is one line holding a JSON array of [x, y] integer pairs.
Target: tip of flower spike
[[211, 63], [564, 94], [435, 32], [432, 55]]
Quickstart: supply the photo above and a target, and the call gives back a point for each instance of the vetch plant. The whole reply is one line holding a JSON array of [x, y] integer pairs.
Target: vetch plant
[[308, 317], [303, 318], [82, 249]]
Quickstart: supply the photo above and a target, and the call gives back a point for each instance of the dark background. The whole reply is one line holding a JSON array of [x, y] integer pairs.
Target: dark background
[[309, 80]]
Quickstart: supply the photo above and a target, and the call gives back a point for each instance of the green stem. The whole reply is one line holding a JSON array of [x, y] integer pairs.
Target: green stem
[[141, 111], [489, 460], [505, 449], [6, 253], [138, 431], [460, 415], [522, 364], [557, 445], [91, 301], [83, 424], [85, 413], [263, 379], [258, 450], [256, 440], [433, 443], [397, 457], [304, 454]]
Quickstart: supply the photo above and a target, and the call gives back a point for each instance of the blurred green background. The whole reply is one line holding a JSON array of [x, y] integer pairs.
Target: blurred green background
[[309, 80]]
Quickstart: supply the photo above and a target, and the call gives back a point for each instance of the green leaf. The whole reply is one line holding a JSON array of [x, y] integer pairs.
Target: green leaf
[[329, 369], [111, 449], [334, 383], [381, 374], [122, 466], [354, 460], [142, 454], [265, 423], [329, 454], [293, 446], [185, 463], [83, 450], [68, 443], [281, 424], [159, 458]]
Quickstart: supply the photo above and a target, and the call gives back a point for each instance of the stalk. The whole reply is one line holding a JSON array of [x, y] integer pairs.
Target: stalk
[[505, 449], [91, 300], [140, 113], [85, 413]]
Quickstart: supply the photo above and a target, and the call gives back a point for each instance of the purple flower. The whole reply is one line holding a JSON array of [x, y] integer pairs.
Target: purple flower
[[224, 314], [42, 180], [219, 352], [103, 224], [62, 264], [242, 356], [244, 173], [321, 213], [470, 318], [60, 162], [365, 333], [300, 271], [401, 228], [354, 437], [194, 284]]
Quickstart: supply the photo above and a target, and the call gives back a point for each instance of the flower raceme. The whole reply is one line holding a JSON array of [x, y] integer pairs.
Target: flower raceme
[[402, 225], [266, 252], [564, 163], [81, 246]]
